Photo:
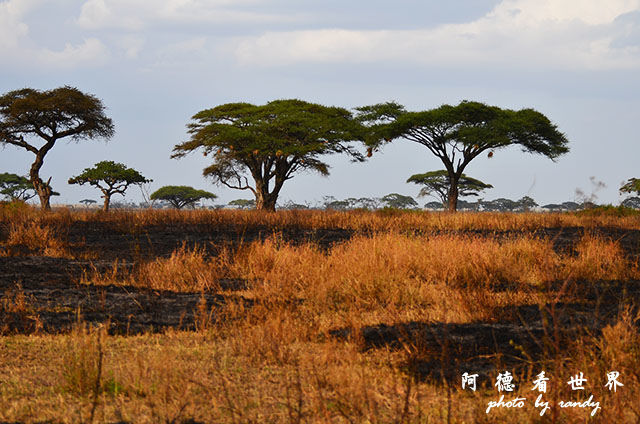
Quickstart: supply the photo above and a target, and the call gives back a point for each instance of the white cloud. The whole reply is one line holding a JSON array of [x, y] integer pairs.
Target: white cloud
[[540, 12], [131, 45], [191, 53], [88, 54], [99, 14], [12, 29], [548, 34], [17, 49], [136, 15]]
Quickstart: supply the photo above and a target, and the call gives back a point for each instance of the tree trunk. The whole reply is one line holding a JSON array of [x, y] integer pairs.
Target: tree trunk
[[44, 194], [453, 193], [43, 189], [270, 203], [105, 205], [265, 201]]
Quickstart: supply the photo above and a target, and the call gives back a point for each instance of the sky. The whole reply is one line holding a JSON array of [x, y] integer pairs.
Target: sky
[[155, 63]]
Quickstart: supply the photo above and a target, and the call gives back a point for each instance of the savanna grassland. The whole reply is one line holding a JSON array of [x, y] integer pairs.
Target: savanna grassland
[[314, 316]]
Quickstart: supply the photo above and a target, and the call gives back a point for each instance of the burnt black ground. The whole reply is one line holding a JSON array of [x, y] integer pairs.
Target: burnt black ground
[[55, 299]]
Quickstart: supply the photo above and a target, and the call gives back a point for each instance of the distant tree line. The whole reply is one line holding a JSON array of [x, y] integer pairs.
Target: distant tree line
[[258, 148]]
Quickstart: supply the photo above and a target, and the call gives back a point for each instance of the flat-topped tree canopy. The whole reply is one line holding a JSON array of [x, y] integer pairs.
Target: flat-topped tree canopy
[[35, 120], [181, 196], [458, 134], [437, 184], [16, 187], [111, 178], [269, 143]]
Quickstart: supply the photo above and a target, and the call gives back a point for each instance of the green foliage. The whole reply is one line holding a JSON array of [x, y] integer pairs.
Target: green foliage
[[110, 174], [458, 134], [434, 205], [16, 187], [499, 205], [468, 128], [269, 143], [110, 177], [608, 210], [632, 186], [437, 184], [181, 196], [243, 203], [399, 201], [49, 116], [330, 202], [526, 203], [291, 205], [52, 114], [380, 114]]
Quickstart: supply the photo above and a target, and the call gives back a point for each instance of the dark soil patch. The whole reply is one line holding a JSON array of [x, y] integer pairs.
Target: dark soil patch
[[53, 298], [564, 239], [439, 351], [153, 240], [44, 294]]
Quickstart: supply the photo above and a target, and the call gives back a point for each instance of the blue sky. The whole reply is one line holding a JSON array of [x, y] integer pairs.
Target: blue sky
[[156, 63]]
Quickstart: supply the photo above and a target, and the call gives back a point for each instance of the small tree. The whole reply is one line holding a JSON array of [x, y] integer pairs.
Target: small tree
[[458, 134], [291, 205], [399, 201], [526, 203], [631, 202], [181, 196], [110, 177], [369, 203], [49, 116], [16, 187], [243, 203], [499, 205], [437, 184], [571, 206], [88, 202], [434, 206], [269, 143], [469, 206]]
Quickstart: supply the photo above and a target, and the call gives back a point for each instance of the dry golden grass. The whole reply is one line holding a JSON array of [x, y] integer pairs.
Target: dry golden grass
[[244, 376], [186, 270], [360, 220], [34, 237], [276, 361]]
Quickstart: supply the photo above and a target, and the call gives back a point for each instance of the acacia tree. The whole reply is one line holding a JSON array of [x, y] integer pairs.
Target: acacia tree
[[437, 184], [399, 201], [526, 203], [16, 187], [458, 134], [181, 196], [499, 205], [88, 202], [243, 203], [111, 178], [270, 143], [35, 120], [631, 186]]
